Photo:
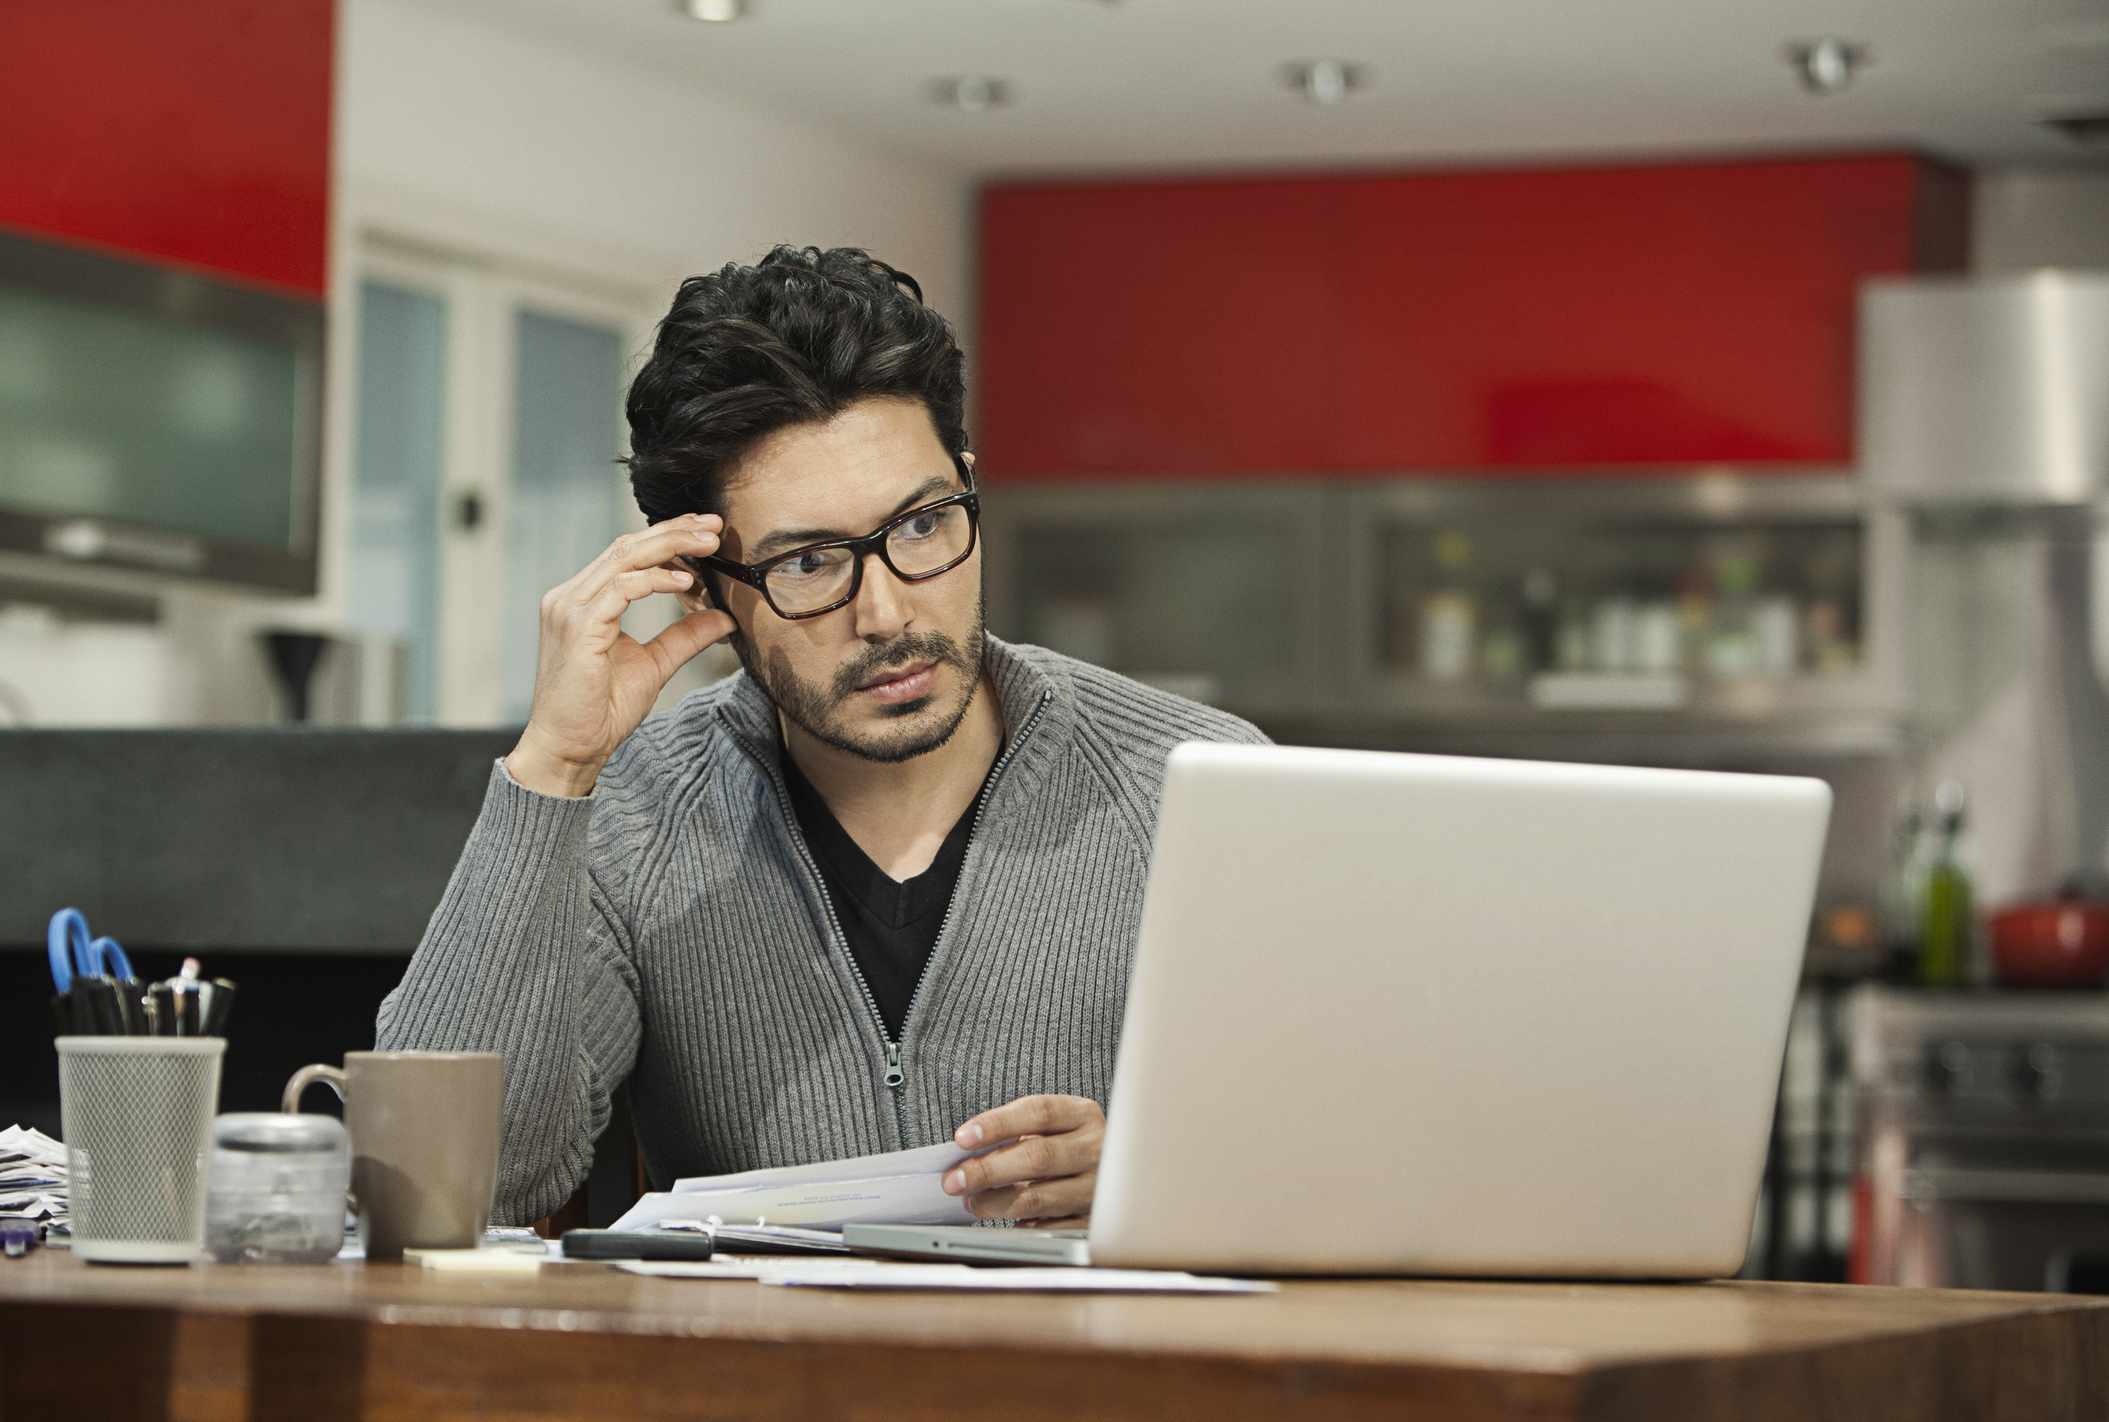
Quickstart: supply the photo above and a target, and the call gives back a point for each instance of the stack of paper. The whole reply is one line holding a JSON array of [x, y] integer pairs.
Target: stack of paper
[[903, 1187], [33, 1178]]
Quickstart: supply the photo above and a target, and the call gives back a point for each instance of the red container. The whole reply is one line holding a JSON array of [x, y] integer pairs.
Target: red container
[[2060, 943]]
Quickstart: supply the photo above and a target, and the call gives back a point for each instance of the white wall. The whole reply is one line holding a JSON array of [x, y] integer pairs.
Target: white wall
[[574, 148], [484, 141]]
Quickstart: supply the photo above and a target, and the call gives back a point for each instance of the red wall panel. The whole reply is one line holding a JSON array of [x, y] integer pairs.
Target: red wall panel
[[195, 132], [1612, 316]]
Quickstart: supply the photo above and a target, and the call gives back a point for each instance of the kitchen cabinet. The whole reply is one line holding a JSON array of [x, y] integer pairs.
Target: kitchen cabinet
[[196, 135], [1176, 328], [1610, 318]]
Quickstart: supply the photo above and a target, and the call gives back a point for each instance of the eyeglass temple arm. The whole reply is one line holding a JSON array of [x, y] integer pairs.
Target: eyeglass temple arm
[[731, 569]]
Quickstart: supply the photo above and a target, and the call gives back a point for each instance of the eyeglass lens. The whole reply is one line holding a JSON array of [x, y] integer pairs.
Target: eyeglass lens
[[918, 545]]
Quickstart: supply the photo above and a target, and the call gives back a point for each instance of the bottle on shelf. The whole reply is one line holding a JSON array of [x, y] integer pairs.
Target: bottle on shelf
[[1541, 620], [1732, 649], [1775, 626], [1695, 616], [1901, 906], [1656, 644], [1947, 933], [1832, 575], [1613, 623], [1450, 615]]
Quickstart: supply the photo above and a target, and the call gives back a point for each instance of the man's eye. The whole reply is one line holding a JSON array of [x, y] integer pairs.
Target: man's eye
[[921, 526]]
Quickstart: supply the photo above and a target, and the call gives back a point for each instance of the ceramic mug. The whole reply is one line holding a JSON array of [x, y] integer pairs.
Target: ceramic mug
[[424, 1137]]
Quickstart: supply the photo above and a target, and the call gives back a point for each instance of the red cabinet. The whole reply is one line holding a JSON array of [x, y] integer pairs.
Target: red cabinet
[[1570, 318], [196, 133], [1174, 328]]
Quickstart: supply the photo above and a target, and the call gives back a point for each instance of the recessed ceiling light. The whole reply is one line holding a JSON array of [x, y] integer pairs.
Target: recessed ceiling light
[[1324, 82], [714, 12], [975, 93], [1828, 64]]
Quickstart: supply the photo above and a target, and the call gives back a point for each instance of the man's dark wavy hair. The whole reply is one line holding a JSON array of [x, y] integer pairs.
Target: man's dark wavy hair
[[794, 339]]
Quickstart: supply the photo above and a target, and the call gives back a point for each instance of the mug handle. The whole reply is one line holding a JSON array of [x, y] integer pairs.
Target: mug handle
[[306, 1077]]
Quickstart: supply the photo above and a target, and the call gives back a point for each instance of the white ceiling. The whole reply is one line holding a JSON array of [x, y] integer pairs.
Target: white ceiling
[[1193, 84]]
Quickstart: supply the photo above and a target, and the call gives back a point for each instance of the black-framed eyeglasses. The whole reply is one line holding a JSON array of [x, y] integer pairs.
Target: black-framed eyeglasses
[[916, 546]]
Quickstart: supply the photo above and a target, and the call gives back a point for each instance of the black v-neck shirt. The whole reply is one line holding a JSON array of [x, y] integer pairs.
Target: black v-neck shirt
[[891, 926]]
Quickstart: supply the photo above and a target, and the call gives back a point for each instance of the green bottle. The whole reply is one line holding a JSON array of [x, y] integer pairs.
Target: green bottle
[[1947, 929]]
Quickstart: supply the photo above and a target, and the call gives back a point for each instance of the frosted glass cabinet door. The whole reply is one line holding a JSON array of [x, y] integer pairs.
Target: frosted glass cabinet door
[[568, 497], [399, 443]]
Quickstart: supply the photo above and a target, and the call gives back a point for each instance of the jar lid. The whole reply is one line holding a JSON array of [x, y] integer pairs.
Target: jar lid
[[279, 1132]]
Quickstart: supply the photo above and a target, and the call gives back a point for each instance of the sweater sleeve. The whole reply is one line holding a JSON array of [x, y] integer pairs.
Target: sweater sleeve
[[527, 956]]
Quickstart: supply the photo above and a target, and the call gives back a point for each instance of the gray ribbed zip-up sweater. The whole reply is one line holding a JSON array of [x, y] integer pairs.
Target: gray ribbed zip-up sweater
[[670, 930]]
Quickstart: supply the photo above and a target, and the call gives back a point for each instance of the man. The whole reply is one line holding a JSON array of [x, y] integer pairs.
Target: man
[[879, 889]]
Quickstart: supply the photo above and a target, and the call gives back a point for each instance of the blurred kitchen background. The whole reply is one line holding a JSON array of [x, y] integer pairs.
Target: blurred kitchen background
[[1697, 385]]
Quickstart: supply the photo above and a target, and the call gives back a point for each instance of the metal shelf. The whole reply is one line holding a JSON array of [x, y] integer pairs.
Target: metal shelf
[[1315, 672]]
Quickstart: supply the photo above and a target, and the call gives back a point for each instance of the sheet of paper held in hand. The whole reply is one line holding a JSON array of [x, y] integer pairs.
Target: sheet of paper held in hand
[[870, 1274], [903, 1187]]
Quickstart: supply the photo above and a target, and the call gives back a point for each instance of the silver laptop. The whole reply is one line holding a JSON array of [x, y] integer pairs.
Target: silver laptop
[[1404, 1014]]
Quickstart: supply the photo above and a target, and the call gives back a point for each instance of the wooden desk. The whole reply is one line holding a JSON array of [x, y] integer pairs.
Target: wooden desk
[[347, 1341]]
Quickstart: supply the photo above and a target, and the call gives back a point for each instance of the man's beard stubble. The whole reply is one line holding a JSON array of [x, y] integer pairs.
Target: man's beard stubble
[[812, 709]]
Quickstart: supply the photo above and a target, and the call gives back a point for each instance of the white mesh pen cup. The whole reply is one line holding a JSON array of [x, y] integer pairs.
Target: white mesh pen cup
[[137, 1114]]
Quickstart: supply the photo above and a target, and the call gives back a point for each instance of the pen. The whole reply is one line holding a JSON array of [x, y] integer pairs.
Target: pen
[[219, 1005], [131, 1007], [188, 1021]]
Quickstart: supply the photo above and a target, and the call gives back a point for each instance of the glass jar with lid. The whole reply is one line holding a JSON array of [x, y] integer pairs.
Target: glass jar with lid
[[277, 1188]]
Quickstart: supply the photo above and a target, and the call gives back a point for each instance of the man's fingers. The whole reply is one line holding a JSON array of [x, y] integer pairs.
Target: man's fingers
[[1036, 1199], [1029, 1116], [691, 535], [616, 595], [673, 647], [1034, 1158]]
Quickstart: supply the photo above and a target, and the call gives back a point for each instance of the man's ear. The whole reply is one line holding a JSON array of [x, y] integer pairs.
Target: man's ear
[[702, 596], [706, 593]]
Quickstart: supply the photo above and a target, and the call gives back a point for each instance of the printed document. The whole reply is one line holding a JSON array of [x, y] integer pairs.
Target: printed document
[[902, 1187]]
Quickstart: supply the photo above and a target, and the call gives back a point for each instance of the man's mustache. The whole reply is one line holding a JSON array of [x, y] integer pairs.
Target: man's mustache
[[913, 648]]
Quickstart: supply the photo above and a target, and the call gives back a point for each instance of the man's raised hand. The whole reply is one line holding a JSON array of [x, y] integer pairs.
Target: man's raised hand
[[594, 683]]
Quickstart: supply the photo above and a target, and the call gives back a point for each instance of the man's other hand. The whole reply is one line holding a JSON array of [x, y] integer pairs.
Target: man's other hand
[[1044, 1168]]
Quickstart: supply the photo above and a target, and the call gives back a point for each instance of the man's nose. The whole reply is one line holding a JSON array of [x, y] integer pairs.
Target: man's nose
[[882, 602]]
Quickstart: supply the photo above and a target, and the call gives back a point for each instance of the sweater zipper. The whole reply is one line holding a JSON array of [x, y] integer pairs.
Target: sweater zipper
[[987, 790], [895, 1077], [805, 855]]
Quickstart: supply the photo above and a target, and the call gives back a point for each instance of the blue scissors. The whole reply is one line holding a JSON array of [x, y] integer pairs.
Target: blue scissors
[[74, 954]]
